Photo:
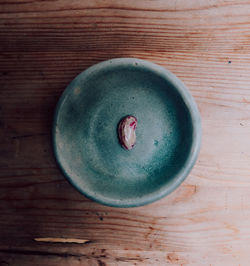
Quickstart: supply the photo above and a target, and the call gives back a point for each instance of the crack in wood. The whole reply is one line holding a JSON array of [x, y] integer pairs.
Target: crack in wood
[[40, 253], [68, 255]]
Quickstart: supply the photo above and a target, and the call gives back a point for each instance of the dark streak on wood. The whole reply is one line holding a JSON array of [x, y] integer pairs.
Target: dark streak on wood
[[39, 253], [129, 259], [52, 254], [30, 135], [4, 263], [101, 263]]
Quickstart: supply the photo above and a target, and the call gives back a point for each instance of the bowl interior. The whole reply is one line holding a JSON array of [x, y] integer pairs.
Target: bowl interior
[[85, 133]]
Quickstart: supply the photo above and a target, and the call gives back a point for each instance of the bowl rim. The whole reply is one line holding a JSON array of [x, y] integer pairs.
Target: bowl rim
[[190, 103]]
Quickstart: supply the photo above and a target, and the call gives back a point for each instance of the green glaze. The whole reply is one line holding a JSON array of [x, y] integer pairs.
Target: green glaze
[[85, 137]]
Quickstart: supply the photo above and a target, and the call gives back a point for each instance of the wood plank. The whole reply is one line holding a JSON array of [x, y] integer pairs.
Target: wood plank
[[43, 45]]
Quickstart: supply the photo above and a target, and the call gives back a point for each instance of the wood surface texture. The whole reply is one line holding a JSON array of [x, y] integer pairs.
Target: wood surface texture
[[43, 46]]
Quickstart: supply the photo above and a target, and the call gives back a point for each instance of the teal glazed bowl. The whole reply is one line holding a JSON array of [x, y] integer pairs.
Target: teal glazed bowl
[[86, 143]]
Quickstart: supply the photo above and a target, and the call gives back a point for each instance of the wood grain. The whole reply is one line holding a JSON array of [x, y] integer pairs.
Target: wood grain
[[44, 44]]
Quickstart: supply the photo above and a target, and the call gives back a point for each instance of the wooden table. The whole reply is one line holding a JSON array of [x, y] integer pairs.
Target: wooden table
[[44, 45]]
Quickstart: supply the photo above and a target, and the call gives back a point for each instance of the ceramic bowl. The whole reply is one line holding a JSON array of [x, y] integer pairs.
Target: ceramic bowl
[[85, 138]]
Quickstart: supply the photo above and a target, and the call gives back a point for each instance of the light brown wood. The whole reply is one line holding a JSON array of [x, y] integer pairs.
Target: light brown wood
[[44, 44], [61, 240]]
